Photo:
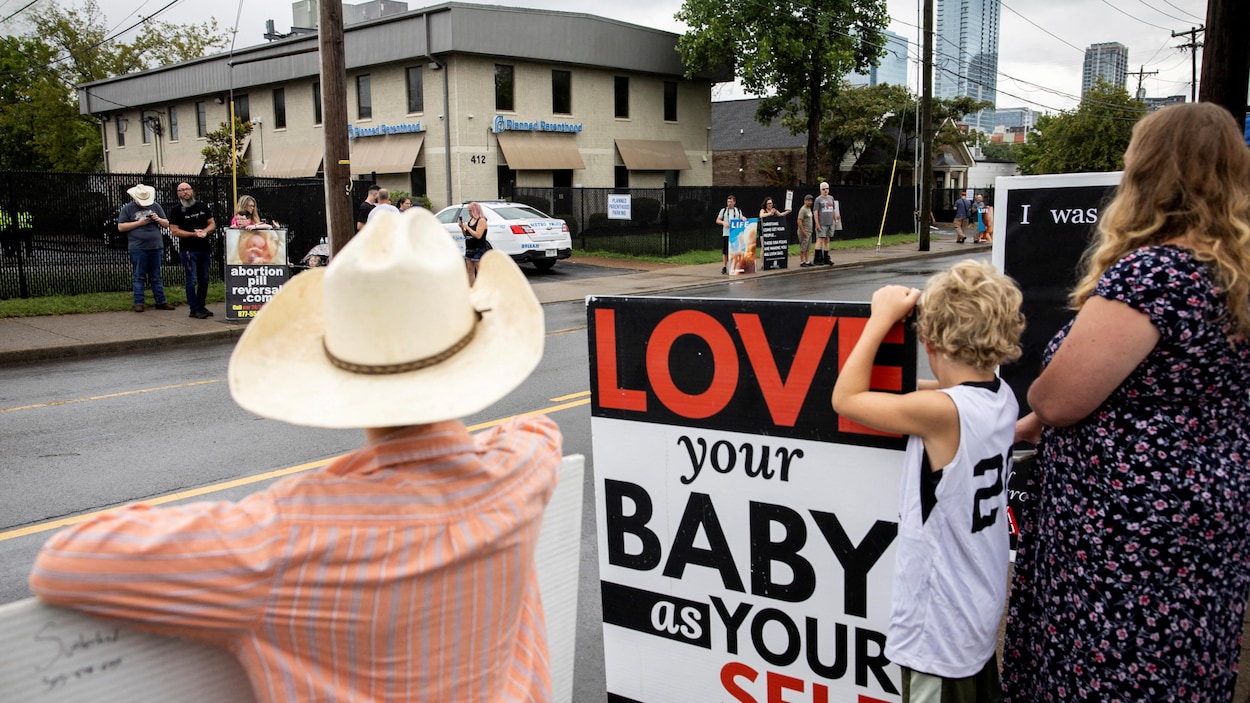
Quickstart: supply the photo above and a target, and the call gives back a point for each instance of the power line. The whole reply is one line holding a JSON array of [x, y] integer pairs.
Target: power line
[[1126, 14], [1056, 36], [1178, 19], [1187, 12], [15, 14]]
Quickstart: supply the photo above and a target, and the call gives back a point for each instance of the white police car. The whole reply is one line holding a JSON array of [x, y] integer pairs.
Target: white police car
[[515, 229]]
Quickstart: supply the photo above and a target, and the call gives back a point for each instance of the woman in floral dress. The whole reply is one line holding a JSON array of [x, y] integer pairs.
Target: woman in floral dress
[[1132, 576]]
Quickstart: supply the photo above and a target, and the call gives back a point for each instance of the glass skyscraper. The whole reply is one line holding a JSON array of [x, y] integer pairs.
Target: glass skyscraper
[[893, 67], [965, 56]]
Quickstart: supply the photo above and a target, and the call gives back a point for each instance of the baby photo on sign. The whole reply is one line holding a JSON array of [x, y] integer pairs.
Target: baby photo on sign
[[256, 247]]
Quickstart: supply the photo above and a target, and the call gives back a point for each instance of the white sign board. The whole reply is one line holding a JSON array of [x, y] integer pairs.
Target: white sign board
[[745, 531], [619, 207]]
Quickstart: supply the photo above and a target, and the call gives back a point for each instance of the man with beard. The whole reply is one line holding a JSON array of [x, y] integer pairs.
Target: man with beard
[[191, 221]]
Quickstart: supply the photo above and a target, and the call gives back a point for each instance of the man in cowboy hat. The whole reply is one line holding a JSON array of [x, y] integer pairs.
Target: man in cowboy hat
[[141, 221], [402, 571]]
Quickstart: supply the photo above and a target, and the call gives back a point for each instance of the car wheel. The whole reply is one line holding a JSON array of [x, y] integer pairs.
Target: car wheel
[[544, 264]]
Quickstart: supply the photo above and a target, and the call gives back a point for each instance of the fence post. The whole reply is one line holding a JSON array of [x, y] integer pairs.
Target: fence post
[[14, 233]]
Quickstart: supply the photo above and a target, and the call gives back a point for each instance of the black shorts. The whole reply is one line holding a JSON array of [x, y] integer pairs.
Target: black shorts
[[724, 246]]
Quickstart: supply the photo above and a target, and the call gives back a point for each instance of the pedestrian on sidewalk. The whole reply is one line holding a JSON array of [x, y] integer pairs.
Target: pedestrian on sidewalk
[[963, 208], [806, 228], [141, 221], [192, 222], [827, 212], [727, 214], [402, 571]]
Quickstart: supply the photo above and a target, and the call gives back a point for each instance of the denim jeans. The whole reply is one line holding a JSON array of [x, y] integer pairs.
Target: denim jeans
[[195, 269], [147, 268]]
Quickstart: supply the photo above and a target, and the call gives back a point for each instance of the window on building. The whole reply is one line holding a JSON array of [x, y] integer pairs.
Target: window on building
[[173, 124], [622, 177], [670, 178], [120, 121], [670, 101], [506, 180], [279, 108], [201, 119], [242, 108], [503, 88], [562, 178], [147, 127], [622, 96], [316, 102], [417, 179], [561, 92], [364, 98], [416, 90]]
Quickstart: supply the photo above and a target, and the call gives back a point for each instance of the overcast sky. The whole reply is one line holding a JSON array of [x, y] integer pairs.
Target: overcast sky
[[1041, 44]]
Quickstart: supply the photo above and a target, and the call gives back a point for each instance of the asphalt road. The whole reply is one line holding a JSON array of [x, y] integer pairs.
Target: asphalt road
[[85, 435]]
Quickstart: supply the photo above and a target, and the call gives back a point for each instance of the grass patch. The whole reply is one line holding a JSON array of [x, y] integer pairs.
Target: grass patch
[[97, 302], [692, 258]]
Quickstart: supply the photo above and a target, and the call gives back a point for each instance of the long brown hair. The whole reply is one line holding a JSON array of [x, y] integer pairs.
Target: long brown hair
[[1186, 175]]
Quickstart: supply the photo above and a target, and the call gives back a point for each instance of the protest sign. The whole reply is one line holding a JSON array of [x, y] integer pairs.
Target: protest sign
[[774, 234], [743, 240], [256, 268], [745, 531]]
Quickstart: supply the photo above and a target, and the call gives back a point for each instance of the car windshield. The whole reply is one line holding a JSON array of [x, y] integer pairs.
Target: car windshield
[[519, 212], [448, 216]]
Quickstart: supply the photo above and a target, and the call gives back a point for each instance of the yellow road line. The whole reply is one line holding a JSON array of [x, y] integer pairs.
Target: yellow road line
[[570, 396], [246, 480], [111, 395]]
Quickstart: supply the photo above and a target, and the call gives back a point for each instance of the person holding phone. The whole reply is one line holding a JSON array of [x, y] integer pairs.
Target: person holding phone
[[141, 221], [475, 243]]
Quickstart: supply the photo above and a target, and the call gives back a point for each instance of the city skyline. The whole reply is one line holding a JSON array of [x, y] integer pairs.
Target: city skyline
[[965, 61]]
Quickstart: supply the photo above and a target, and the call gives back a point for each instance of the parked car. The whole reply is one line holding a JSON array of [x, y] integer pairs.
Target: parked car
[[517, 230]]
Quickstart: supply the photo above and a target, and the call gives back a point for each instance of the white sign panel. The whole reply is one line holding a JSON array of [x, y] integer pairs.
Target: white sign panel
[[619, 207], [745, 531]]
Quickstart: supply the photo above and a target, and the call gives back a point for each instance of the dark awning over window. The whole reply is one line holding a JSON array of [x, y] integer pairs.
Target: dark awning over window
[[650, 155], [389, 154], [536, 151]]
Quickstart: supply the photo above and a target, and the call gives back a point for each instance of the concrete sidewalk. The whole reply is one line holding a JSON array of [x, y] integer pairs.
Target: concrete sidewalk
[[29, 339]]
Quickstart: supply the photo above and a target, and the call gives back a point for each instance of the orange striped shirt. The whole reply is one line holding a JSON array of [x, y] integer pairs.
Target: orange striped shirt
[[401, 572]]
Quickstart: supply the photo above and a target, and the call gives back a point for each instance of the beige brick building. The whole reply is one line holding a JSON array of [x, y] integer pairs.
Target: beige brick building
[[456, 101]]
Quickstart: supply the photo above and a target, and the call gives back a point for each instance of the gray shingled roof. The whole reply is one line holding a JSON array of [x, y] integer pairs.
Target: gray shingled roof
[[734, 128]]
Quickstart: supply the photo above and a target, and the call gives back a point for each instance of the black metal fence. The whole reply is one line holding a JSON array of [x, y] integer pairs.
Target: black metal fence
[[668, 221], [58, 231]]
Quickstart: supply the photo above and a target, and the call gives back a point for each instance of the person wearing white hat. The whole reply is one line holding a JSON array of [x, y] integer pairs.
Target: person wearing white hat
[[402, 571], [141, 221]]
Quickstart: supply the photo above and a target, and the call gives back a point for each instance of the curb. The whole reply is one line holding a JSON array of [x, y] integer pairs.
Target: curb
[[87, 349]]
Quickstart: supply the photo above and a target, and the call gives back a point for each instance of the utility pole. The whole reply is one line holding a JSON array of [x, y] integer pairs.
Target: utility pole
[[334, 116], [1193, 45], [926, 126], [1226, 60], [1141, 73]]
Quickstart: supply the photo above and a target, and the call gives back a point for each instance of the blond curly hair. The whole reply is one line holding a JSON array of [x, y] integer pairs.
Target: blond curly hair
[[971, 313], [1186, 175]]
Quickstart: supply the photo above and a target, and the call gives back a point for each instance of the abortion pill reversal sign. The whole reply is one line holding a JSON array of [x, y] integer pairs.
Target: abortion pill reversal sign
[[745, 531]]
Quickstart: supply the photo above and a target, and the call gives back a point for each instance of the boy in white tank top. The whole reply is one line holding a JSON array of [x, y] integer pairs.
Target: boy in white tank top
[[950, 572]]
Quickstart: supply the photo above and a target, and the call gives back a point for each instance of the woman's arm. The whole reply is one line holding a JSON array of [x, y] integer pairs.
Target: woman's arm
[[1107, 341]]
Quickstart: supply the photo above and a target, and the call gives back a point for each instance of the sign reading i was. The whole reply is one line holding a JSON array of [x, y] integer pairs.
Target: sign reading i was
[[1044, 225], [745, 531]]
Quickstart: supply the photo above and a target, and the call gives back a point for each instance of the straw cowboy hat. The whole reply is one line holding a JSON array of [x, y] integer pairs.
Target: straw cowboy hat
[[390, 333], [144, 195]]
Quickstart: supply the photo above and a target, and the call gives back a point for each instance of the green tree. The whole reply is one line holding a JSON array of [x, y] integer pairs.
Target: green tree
[[64, 47], [217, 159], [999, 151], [793, 54], [1092, 137], [863, 119]]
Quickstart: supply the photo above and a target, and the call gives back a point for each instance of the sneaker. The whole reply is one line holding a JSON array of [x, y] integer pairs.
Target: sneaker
[[206, 312], [138, 308], [165, 306], [198, 314], [828, 261], [805, 264], [723, 270]]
